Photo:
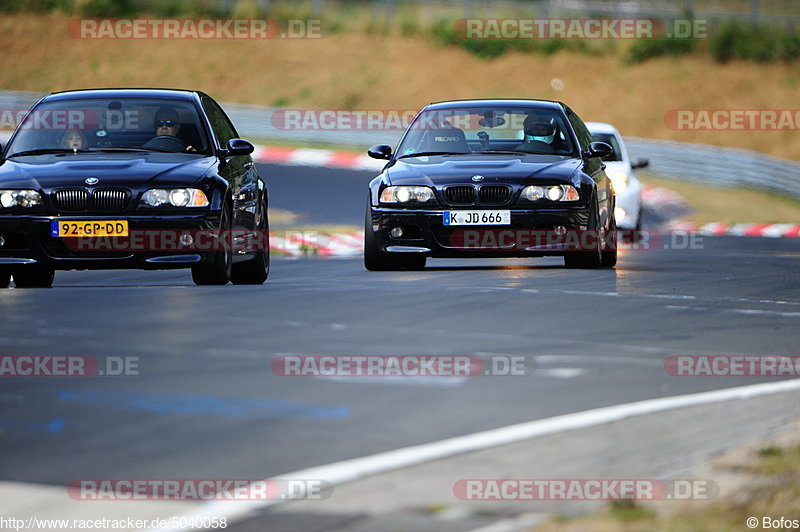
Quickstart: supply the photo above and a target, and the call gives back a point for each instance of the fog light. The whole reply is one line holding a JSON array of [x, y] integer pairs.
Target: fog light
[[2, 241], [619, 213], [186, 240], [396, 232], [560, 230]]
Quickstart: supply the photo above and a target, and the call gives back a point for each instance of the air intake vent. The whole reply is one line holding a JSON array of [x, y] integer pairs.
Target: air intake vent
[[494, 194], [109, 200], [459, 195], [71, 200]]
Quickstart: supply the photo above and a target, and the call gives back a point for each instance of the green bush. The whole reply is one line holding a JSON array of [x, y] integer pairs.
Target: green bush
[[109, 9], [735, 41], [645, 49], [36, 6]]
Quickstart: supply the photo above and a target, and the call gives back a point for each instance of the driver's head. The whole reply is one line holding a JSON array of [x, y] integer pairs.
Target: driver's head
[[537, 126], [167, 122]]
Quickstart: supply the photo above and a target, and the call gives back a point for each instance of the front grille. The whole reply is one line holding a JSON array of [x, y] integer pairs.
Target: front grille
[[102, 200], [109, 200], [71, 200], [461, 195], [494, 194]]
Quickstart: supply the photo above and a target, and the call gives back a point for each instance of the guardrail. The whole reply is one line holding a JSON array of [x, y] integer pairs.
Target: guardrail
[[725, 167]]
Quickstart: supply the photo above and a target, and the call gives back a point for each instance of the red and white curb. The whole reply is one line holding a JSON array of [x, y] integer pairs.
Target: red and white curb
[[721, 229], [304, 243], [315, 157]]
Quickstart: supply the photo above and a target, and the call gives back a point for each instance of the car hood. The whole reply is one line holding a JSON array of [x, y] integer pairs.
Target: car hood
[[437, 171], [131, 170]]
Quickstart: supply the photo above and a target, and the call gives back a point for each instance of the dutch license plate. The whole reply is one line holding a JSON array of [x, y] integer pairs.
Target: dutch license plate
[[477, 218], [83, 228]]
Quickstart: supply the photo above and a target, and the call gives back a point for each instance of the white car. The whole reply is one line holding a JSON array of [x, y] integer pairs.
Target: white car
[[619, 168]]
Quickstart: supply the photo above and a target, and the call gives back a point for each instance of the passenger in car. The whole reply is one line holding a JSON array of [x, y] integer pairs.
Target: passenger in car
[[73, 139]]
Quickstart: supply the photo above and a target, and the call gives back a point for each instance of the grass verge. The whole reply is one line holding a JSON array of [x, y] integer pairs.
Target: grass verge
[[729, 205], [769, 480]]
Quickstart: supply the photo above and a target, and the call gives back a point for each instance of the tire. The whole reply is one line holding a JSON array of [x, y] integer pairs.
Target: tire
[[587, 259], [256, 270], [608, 258], [5, 277], [34, 277], [376, 260], [218, 272]]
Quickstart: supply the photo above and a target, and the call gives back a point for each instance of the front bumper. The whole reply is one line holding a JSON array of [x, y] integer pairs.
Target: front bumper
[[424, 232], [27, 240]]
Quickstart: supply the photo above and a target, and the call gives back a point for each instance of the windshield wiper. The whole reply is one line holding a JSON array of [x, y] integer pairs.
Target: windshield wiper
[[520, 152], [427, 153], [46, 151], [132, 148]]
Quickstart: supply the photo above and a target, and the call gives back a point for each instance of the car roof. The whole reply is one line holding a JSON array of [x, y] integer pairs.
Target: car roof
[[601, 127], [499, 102], [170, 94]]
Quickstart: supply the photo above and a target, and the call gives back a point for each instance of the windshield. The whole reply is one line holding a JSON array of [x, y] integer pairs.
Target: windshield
[[488, 129], [111, 124], [611, 140]]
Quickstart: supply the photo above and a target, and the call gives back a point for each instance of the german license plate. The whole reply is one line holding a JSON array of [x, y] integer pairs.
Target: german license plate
[[477, 218], [83, 228]]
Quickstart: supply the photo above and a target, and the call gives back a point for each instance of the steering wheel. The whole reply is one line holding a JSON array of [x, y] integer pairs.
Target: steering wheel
[[484, 137], [165, 142]]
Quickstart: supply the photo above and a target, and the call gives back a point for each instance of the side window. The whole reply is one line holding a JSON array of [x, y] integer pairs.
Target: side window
[[584, 137], [222, 127]]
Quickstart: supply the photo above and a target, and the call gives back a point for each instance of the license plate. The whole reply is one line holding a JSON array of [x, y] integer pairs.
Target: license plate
[[83, 228], [477, 218]]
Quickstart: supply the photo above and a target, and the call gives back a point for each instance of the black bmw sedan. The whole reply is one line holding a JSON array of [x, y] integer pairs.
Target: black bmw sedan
[[491, 178], [131, 178]]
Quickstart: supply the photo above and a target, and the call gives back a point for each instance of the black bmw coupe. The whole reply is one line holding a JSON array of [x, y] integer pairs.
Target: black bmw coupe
[[494, 178], [131, 178]]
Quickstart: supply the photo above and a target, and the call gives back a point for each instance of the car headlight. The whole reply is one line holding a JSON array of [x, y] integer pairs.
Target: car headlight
[[620, 180], [177, 197], [406, 194], [19, 198], [552, 192]]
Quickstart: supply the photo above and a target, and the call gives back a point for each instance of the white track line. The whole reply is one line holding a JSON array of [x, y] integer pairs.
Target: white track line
[[349, 470]]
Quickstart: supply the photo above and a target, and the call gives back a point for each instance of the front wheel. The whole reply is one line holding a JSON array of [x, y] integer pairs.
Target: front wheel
[[255, 270], [376, 260], [591, 258], [608, 257], [34, 277], [218, 272], [5, 277]]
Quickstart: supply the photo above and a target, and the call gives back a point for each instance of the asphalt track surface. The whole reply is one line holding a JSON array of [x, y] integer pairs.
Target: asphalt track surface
[[206, 403]]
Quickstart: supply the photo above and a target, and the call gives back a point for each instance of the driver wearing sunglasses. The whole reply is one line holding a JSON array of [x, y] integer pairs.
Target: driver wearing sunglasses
[[167, 124]]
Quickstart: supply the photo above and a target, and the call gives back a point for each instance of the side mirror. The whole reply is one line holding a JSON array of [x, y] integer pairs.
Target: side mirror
[[640, 162], [380, 151], [599, 149], [238, 147]]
